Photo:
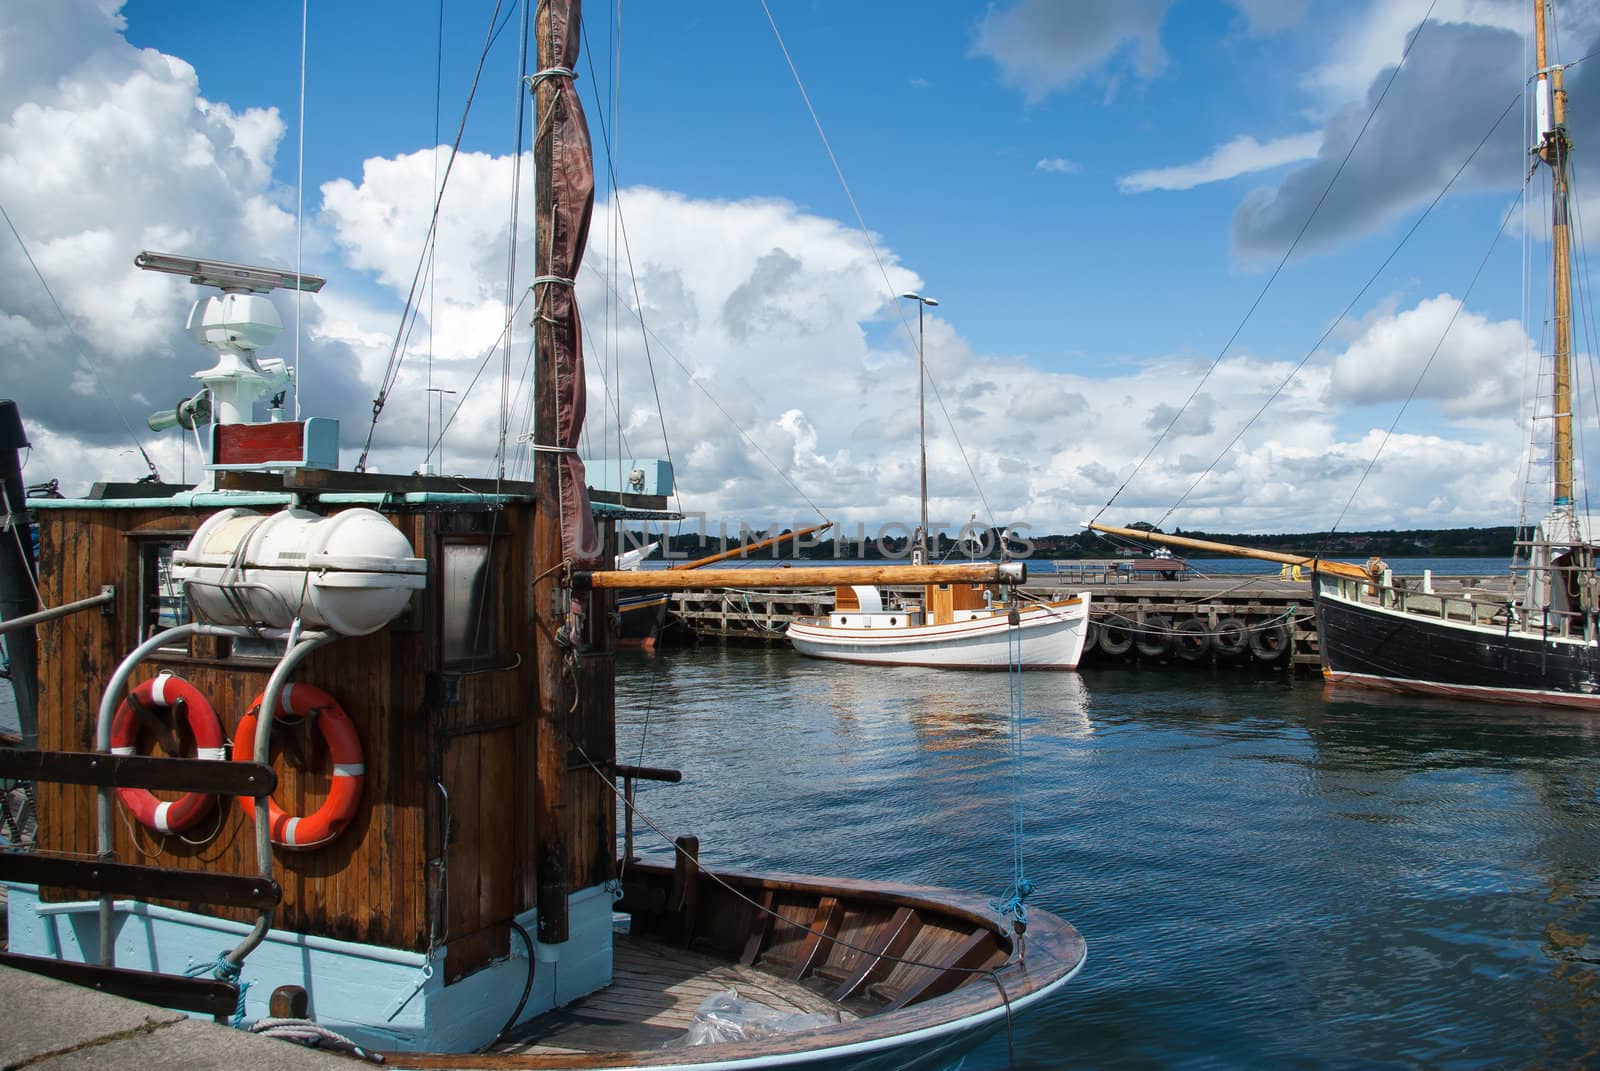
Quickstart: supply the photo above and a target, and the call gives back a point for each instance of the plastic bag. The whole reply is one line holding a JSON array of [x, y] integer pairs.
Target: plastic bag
[[727, 1016]]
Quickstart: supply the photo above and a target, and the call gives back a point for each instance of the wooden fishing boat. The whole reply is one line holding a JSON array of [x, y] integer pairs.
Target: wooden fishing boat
[[390, 790], [1538, 644]]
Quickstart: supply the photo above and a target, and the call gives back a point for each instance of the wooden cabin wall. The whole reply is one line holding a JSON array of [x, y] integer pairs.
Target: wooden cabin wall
[[372, 883], [448, 755]]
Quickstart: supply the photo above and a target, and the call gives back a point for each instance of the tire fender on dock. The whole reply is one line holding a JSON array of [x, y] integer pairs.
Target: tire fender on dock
[[1232, 637], [1155, 636], [1269, 642], [1192, 639], [1115, 637]]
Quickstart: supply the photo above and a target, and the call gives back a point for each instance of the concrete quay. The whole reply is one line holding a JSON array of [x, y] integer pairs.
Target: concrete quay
[[56, 1026]]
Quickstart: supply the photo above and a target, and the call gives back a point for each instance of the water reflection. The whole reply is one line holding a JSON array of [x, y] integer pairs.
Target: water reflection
[[1269, 873], [946, 709]]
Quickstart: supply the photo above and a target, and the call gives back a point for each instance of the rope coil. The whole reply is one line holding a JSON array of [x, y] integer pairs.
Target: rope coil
[[533, 80], [225, 970]]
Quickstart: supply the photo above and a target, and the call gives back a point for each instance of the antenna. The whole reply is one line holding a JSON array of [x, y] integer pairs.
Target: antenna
[[226, 276]]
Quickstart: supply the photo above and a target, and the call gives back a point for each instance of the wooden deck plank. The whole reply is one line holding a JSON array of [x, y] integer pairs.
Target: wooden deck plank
[[653, 997]]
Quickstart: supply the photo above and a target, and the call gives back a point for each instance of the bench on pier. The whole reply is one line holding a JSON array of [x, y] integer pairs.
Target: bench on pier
[[1155, 569]]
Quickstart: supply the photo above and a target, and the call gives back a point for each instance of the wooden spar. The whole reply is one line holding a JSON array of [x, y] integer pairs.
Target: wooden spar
[[549, 602], [1325, 565], [1553, 149], [734, 552], [805, 577]]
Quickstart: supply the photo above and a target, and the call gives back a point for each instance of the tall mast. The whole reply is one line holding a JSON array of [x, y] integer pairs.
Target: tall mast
[[920, 554], [1551, 109], [563, 528]]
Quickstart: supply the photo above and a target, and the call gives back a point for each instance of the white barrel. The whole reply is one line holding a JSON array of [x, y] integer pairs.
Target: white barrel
[[352, 572]]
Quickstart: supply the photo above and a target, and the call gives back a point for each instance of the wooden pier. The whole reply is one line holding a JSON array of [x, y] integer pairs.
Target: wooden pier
[[1149, 614]]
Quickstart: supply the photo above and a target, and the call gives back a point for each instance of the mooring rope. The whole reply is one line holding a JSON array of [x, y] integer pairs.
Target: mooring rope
[[225, 970], [1012, 904]]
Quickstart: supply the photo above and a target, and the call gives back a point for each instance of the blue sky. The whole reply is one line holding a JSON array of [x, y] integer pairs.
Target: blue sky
[[1096, 192]]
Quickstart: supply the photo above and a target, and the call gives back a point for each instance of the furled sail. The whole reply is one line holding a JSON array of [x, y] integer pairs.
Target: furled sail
[[559, 253]]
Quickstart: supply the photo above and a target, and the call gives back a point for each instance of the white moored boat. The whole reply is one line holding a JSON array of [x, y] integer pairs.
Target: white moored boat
[[956, 626]]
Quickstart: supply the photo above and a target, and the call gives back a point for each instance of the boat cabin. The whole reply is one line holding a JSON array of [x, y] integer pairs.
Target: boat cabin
[[863, 606]]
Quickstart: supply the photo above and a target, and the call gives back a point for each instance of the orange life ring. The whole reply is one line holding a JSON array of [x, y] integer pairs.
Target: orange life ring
[[329, 820], [168, 691]]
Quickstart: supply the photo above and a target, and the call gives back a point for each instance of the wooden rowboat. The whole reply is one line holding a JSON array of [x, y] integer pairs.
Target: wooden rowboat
[[908, 974]]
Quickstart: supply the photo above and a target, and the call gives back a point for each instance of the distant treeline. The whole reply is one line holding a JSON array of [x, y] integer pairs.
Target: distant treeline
[[894, 544]]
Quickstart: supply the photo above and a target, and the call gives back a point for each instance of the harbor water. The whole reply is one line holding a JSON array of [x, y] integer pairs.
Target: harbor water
[[1268, 874]]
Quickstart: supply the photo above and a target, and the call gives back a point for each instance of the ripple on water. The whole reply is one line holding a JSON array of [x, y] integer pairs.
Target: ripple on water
[[1268, 873]]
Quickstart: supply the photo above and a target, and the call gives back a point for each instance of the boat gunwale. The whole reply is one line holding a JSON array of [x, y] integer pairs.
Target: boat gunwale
[[1320, 593]]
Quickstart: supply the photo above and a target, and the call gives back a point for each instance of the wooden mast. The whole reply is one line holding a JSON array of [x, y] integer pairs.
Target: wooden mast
[[1551, 109], [549, 599]]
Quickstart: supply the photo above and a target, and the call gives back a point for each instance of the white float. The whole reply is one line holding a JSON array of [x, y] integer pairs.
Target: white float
[[352, 572]]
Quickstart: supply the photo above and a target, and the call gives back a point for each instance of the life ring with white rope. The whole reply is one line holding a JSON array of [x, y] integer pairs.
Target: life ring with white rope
[[339, 733], [172, 692]]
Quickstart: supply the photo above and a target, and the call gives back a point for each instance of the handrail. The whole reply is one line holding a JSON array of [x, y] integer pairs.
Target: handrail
[[299, 645], [39, 617]]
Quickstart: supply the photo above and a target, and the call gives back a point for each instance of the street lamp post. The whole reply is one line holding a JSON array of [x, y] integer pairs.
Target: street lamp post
[[920, 555], [441, 392]]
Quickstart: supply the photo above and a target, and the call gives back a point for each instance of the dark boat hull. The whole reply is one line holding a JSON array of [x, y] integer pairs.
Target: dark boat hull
[[1379, 647], [640, 619]]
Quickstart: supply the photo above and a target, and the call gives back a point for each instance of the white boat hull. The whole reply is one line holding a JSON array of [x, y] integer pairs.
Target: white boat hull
[[1051, 634]]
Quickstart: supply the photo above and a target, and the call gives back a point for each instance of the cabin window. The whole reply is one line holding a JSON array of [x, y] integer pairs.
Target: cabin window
[[470, 618], [161, 602]]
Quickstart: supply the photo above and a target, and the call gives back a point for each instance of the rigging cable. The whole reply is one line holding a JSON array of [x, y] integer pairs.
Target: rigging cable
[[408, 314], [299, 204], [433, 288], [698, 384], [1587, 313], [1417, 384], [1013, 902], [877, 258], [511, 250], [1344, 314], [1277, 271], [488, 355], [622, 226], [83, 352]]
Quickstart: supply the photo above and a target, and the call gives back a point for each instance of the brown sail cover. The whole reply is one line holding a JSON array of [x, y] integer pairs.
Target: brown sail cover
[[572, 193]]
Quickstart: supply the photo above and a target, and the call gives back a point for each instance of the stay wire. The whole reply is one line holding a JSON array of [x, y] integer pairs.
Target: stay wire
[[300, 200], [83, 351], [408, 314], [488, 355], [633, 278], [866, 234], [433, 288], [699, 385], [1417, 383], [1586, 307], [1343, 314], [1276, 272], [511, 245]]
